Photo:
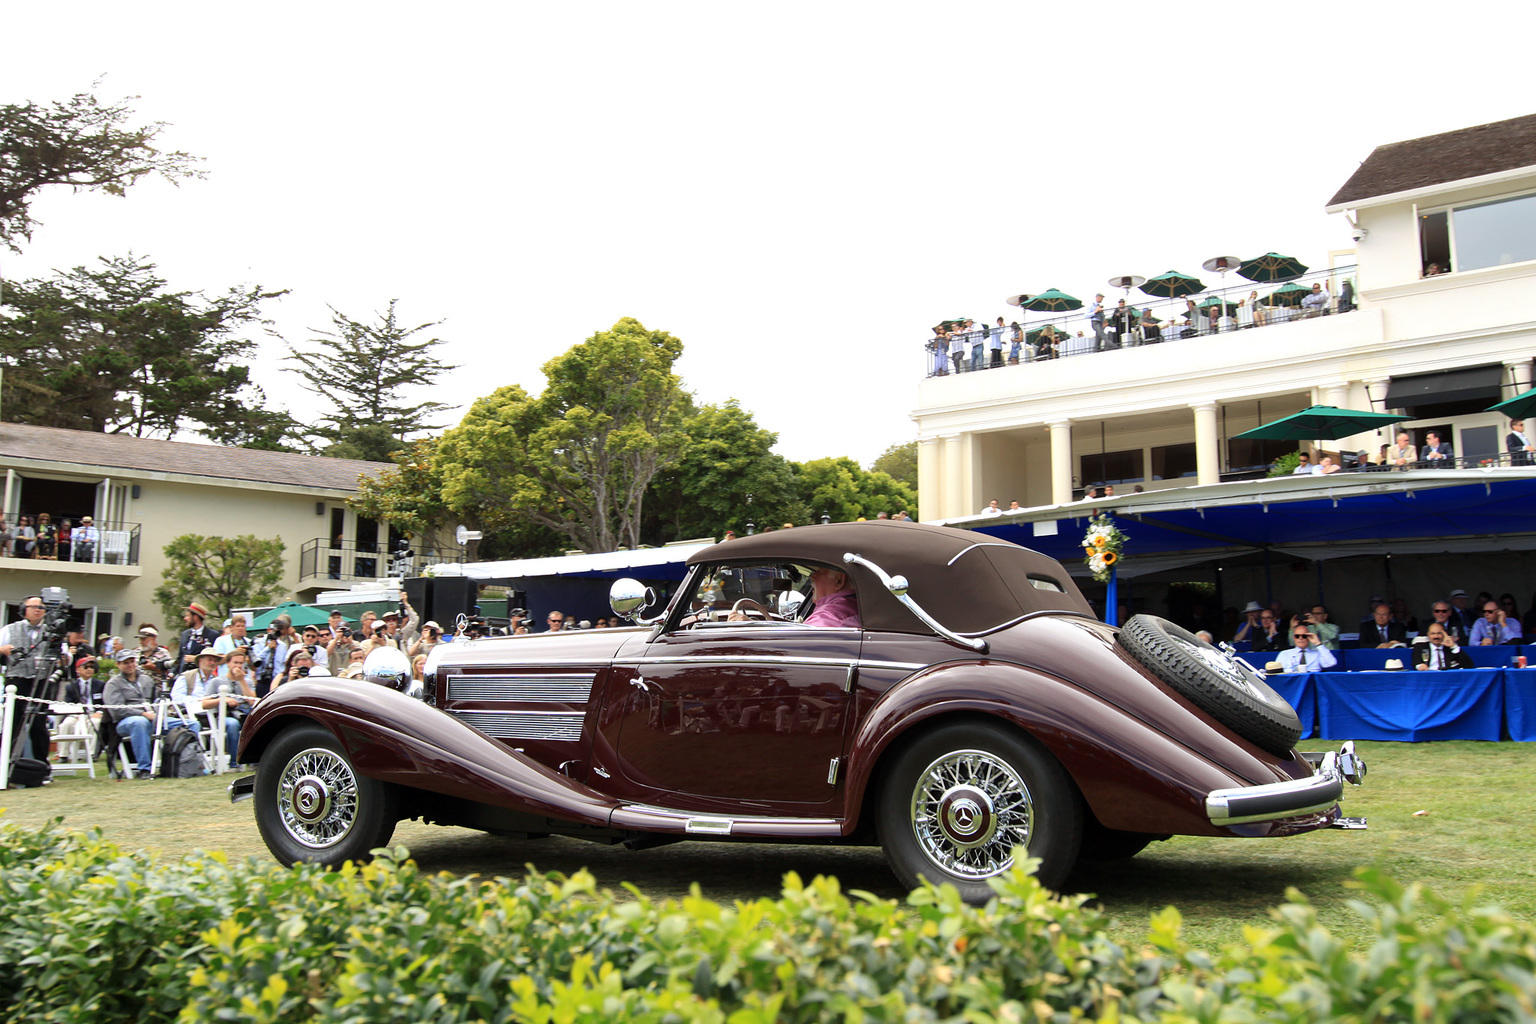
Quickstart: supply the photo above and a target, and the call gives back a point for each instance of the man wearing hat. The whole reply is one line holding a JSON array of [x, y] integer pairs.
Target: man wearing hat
[[129, 696], [197, 636], [197, 692], [1461, 611], [153, 659], [1249, 630], [84, 538]]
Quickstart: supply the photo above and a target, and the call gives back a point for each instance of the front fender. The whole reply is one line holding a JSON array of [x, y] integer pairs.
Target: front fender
[[1133, 776], [394, 738]]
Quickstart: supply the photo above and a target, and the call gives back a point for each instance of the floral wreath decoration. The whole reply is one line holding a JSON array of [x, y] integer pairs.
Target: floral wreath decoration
[[1102, 545]]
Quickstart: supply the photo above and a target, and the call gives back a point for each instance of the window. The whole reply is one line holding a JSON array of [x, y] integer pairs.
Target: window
[[1478, 235], [1496, 233], [1112, 468], [1172, 461]]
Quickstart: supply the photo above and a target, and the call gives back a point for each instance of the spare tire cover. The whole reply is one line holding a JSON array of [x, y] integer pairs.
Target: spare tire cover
[[1228, 689]]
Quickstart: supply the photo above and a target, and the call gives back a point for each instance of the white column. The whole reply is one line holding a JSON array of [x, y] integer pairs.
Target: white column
[[1207, 444], [930, 479], [952, 493], [1061, 461], [1336, 395]]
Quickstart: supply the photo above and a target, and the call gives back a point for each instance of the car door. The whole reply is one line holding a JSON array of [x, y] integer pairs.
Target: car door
[[735, 716]]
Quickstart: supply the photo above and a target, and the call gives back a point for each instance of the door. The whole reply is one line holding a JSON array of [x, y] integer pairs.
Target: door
[[743, 716]]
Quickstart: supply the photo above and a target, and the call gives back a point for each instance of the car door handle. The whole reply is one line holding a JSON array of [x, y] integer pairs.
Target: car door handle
[[639, 684]]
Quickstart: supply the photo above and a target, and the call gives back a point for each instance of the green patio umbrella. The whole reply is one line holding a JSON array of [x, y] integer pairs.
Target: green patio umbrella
[[1053, 301], [1288, 295], [1320, 422], [1229, 307], [300, 615], [1272, 267], [1520, 407], [1172, 285]]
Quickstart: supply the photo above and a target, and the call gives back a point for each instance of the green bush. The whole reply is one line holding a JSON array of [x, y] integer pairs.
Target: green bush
[[90, 933]]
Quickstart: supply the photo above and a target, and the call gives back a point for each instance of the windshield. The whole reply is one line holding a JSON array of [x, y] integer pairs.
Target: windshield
[[776, 591]]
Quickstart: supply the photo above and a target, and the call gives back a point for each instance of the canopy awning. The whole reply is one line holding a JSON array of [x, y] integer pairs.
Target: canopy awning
[[1315, 518], [1467, 384]]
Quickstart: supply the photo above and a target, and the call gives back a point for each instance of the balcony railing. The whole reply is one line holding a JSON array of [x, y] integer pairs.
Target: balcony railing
[[346, 561], [114, 543], [1034, 344]]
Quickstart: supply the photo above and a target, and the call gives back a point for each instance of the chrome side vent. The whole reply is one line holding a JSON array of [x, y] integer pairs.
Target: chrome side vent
[[556, 688], [524, 725]]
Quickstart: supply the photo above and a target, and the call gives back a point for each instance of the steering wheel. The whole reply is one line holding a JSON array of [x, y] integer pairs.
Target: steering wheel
[[755, 609]]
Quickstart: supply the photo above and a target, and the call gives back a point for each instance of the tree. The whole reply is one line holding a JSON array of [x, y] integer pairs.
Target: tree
[[839, 487], [220, 573], [82, 143], [899, 461], [726, 476], [362, 369], [578, 458], [410, 496], [111, 350]]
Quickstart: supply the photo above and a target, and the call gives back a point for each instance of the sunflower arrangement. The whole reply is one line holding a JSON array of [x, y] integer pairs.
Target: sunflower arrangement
[[1102, 545]]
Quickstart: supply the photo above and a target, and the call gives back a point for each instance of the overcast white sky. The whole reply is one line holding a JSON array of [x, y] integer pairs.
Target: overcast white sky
[[796, 190]]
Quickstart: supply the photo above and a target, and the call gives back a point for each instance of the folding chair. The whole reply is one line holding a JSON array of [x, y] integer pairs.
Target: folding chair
[[73, 735]]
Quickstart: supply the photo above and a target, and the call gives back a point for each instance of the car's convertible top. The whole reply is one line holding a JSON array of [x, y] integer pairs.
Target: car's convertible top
[[1003, 582]]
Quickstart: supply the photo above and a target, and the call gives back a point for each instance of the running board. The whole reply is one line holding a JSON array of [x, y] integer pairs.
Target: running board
[[646, 818]]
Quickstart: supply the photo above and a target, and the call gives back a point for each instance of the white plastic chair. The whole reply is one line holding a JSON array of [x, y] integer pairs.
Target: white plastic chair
[[73, 734]]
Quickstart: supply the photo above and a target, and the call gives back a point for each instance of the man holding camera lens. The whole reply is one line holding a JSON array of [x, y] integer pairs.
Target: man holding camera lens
[[30, 661], [340, 645], [271, 655]]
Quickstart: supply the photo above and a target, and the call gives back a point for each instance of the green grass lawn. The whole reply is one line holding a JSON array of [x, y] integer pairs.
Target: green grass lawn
[[1474, 836]]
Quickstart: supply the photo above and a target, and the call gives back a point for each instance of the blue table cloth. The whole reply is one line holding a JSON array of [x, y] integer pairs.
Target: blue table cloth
[[1520, 703], [1411, 706]]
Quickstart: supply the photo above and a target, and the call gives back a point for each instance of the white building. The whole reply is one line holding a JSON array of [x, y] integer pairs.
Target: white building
[[1438, 349]]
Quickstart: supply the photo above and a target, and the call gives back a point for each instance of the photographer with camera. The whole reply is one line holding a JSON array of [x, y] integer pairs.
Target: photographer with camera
[[299, 665], [270, 655], [431, 636], [1325, 635], [31, 657], [338, 652], [154, 660]]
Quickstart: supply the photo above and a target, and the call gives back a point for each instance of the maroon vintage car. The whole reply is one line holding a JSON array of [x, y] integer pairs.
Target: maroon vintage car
[[946, 696]]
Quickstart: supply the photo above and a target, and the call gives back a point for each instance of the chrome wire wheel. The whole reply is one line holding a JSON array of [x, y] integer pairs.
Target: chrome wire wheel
[[970, 808], [317, 798]]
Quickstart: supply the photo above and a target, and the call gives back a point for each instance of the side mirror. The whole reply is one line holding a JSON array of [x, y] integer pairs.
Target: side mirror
[[388, 667], [629, 598]]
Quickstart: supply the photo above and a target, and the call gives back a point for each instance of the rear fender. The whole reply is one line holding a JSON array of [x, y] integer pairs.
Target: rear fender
[[394, 738], [1132, 776]]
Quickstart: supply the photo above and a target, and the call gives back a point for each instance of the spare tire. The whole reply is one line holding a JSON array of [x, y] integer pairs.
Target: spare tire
[[1228, 689]]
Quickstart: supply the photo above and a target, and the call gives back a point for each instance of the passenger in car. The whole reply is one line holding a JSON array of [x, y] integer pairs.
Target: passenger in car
[[835, 604]]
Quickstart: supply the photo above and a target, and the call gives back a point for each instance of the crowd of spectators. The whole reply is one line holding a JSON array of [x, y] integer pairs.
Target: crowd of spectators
[[966, 345], [1309, 637], [43, 536], [1433, 452]]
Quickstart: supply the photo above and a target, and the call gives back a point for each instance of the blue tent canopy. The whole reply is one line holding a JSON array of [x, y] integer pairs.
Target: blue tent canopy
[[1406, 512]]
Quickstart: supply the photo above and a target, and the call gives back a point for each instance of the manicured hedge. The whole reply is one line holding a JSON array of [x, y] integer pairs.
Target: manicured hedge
[[91, 933]]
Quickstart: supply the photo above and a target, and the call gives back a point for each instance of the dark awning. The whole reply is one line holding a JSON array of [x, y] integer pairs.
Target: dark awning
[[1467, 384]]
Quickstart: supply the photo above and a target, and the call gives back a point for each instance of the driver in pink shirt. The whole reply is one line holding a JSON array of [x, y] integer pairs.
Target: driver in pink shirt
[[835, 603]]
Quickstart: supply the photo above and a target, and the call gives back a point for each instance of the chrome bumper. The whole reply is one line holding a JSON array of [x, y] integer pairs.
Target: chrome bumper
[[1276, 800], [242, 788]]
